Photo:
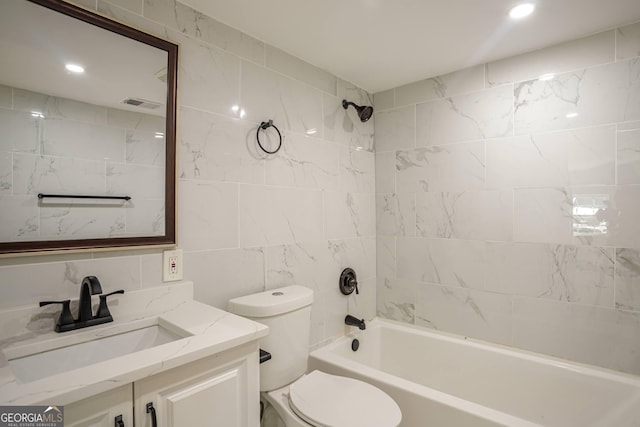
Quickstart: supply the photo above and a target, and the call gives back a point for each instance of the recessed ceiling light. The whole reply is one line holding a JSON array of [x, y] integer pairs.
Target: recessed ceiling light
[[571, 115], [522, 10], [74, 68]]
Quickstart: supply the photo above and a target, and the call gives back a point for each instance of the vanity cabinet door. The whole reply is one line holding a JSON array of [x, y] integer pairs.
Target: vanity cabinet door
[[101, 410], [207, 393]]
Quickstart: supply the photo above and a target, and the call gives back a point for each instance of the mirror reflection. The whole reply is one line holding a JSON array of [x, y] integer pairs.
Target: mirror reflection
[[86, 121]]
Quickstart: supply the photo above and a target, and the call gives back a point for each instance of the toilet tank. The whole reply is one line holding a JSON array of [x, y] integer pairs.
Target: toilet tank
[[287, 313]]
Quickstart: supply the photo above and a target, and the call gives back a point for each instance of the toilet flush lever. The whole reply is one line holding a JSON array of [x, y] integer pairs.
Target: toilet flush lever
[[348, 282]]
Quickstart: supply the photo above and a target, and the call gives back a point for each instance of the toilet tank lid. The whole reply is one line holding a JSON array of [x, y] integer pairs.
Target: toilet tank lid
[[272, 302]]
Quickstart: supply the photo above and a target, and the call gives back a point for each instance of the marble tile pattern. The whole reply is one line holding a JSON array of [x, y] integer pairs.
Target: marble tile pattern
[[247, 221], [57, 145], [507, 205]]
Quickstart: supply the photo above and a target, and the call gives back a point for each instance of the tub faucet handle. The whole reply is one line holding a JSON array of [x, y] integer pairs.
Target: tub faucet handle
[[348, 282]]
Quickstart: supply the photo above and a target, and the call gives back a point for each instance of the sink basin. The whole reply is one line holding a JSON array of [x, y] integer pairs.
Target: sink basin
[[66, 358]]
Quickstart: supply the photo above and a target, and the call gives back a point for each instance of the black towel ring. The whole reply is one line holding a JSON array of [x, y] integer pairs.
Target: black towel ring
[[265, 126]]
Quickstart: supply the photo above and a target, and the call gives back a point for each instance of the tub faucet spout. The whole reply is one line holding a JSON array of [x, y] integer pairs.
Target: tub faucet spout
[[354, 321]]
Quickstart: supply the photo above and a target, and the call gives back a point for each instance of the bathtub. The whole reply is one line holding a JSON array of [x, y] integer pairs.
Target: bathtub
[[443, 380]]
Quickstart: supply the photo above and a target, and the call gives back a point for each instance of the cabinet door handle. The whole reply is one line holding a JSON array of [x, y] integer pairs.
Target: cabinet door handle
[[151, 410], [118, 421]]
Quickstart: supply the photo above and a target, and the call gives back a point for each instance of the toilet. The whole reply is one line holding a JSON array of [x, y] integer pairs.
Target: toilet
[[316, 398]]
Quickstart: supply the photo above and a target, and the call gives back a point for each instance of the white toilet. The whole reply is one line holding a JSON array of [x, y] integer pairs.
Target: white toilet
[[316, 399]]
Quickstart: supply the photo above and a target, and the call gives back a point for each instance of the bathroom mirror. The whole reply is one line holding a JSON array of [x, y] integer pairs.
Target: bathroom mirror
[[87, 131]]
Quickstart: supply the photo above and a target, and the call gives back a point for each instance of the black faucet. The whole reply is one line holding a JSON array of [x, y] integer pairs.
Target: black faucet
[[354, 321], [90, 286]]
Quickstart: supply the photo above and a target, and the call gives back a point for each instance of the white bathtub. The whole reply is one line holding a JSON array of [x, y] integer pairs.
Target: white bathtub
[[442, 380]]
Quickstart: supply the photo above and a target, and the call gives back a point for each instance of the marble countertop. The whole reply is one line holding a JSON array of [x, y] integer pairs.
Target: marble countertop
[[210, 331]]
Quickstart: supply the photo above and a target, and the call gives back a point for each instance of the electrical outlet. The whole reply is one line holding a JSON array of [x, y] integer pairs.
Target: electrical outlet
[[172, 265]]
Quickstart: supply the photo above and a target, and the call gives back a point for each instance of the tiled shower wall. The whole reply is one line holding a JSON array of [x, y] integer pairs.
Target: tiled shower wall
[[508, 206], [246, 221], [63, 146]]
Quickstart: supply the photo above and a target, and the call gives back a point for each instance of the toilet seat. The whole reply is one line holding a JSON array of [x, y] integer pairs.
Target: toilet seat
[[325, 400]]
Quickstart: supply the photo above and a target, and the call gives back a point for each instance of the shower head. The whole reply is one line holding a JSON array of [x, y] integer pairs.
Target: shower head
[[364, 112]]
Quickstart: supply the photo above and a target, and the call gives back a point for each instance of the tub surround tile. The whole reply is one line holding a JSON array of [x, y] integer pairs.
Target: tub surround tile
[[577, 274], [628, 41], [449, 262], [581, 53], [6, 173], [240, 270], [304, 162], [291, 105], [209, 215], [358, 254], [599, 95], [85, 222], [22, 132], [20, 218], [395, 129], [349, 215], [35, 174], [600, 336], [272, 215], [554, 205], [454, 167], [145, 148], [301, 263], [357, 171], [476, 314], [628, 157], [363, 305], [208, 77], [396, 300], [472, 215], [184, 19], [577, 157], [458, 82], [55, 108], [138, 181], [395, 214], [285, 63], [479, 115], [627, 279], [214, 148], [61, 280], [345, 128], [385, 171], [385, 256]]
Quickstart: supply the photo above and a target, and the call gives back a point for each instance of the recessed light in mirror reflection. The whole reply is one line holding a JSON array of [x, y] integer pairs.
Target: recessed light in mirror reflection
[[571, 115], [74, 68], [522, 10]]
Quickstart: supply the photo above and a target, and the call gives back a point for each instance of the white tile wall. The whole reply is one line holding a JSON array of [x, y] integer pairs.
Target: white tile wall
[[246, 221], [504, 219]]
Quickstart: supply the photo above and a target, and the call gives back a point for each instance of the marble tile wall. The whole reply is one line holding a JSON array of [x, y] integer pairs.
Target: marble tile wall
[[247, 221], [44, 148], [507, 205]]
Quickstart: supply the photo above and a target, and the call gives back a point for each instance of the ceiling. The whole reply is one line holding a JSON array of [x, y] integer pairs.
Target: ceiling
[[381, 44]]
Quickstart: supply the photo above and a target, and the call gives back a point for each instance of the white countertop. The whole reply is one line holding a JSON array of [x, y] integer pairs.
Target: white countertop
[[211, 331]]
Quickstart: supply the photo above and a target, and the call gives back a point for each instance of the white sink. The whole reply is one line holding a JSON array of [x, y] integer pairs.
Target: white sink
[[68, 356]]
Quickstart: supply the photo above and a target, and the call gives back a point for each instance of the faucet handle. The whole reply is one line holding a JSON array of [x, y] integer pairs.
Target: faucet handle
[[65, 315], [103, 309]]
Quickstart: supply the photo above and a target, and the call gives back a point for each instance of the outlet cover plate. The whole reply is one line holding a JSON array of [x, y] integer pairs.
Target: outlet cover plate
[[172, 265]]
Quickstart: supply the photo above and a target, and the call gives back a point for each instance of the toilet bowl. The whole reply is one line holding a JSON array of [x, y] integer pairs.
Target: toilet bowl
[[307, 399]]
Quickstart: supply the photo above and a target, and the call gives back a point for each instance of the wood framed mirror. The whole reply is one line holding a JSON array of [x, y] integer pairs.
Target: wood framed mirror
[[87, 131]]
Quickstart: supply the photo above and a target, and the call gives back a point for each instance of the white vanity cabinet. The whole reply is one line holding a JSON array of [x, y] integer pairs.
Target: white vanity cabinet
[[101, 410], [220, 390]]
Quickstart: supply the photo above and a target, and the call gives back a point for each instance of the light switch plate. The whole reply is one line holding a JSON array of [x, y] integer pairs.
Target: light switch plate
[[172, 265]]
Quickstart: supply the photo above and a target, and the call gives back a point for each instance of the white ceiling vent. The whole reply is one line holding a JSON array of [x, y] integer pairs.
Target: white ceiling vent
[[142, 103]]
